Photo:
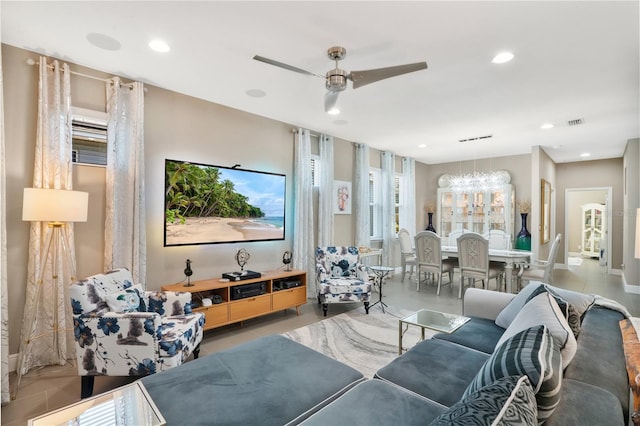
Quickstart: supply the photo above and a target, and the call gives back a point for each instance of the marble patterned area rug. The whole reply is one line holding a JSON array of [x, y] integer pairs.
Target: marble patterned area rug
[[364, 342]]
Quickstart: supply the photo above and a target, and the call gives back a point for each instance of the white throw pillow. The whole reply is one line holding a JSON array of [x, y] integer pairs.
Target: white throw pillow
[[513, 308], [543, 310], [123, 301]]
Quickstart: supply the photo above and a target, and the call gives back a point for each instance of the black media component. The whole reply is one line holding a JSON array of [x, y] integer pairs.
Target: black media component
[[283, 285], [248, 290]]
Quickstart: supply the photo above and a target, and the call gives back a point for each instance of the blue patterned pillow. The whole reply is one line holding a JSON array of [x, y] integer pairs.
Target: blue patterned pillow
[[530, 352], [123, 301], [507, 401]]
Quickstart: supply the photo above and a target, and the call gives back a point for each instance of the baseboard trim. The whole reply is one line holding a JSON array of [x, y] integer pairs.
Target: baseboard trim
[[13, 362], [630, 288]]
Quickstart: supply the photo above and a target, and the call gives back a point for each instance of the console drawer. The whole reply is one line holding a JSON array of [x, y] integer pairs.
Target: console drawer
[[249, 307], [214, 315], [288, 298]]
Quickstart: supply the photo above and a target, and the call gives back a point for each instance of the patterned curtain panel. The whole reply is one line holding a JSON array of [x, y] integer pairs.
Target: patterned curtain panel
[[388, 207], [47, 302], [408, 208], [326, 198], [4, 310], [125, 233], [303, 246], [361, 196]]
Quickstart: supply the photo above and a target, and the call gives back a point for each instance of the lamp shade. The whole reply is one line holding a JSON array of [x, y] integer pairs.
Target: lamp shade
[[638, 234], [54, 205]]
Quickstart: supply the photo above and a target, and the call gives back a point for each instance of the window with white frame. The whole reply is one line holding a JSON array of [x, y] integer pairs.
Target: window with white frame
[[375, 205], [315, 170], [89, 137]]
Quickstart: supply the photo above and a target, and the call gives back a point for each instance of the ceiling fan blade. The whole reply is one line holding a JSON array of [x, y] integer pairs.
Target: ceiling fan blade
[[285, 66], [330, 100], [362, 78]]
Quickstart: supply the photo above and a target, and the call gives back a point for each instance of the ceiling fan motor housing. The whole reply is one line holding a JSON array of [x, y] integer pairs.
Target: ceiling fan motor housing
[[336, 80]]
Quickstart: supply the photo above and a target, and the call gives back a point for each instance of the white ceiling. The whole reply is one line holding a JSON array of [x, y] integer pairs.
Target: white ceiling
[[572, 60]]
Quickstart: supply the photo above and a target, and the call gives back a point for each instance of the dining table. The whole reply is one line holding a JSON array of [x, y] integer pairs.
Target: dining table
[[508, 257]]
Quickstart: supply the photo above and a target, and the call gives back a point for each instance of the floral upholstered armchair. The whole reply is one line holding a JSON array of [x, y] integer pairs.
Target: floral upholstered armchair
[[122, 330], [340, 277]]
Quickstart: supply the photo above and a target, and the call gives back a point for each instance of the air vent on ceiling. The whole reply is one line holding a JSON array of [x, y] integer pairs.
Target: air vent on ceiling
[[476, 138], [575, 122]]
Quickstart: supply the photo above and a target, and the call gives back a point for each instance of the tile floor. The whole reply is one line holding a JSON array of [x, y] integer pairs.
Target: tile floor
[[50, 388]]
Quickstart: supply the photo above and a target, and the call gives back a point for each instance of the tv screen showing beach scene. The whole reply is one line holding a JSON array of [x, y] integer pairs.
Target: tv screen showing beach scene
[[207, 204]]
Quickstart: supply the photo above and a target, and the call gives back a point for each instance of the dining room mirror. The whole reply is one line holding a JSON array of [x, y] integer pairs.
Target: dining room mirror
[[545, 211]]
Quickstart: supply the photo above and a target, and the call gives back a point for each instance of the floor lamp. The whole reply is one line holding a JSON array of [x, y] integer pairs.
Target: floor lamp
[[56, 207]]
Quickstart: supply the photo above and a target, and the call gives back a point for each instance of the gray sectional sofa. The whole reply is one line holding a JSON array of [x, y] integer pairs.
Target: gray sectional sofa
[[533, 370]]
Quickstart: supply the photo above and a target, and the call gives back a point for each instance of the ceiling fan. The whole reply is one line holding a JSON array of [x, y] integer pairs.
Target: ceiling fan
[[336, 79]]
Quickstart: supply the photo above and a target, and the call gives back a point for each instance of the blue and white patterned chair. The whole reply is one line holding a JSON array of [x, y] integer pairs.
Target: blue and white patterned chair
[[340, 278], [122, 330]]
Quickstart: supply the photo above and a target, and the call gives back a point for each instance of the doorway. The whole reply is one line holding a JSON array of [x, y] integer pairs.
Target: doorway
[[582, 243]]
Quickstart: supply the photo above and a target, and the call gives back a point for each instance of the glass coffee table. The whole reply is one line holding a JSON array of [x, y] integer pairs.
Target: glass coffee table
[[433, 320], [126, 405]]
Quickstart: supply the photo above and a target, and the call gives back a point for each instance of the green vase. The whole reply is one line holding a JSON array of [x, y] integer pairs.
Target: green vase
[[523, 239]]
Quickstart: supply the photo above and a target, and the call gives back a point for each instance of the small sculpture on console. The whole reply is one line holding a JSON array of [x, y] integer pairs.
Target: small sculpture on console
[[242, 257], [188, 272], [286, 259]]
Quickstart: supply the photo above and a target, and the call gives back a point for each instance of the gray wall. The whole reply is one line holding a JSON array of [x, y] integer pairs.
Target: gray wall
[[631, 183]]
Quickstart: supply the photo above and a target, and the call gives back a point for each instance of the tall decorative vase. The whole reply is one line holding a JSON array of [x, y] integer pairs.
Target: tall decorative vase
[[523, 239], [430, 225]]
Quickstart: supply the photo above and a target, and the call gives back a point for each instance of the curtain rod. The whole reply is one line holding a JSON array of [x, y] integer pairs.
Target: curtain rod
[[312, 134], [79, 74]]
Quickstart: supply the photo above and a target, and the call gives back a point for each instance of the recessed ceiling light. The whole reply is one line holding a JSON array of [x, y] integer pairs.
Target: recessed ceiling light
[[333, 111], [103, 41], [256, 93], [422, 145], [159, 46], [546, 126], [585, 154], [502, 57]]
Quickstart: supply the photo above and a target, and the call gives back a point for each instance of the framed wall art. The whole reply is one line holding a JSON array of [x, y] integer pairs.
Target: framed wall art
[[342, 194]]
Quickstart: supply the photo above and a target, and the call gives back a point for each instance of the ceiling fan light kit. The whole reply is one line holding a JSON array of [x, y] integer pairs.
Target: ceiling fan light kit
[[336, 79]]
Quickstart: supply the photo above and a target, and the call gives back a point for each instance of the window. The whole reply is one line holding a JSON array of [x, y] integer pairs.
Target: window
[[315, 170], [89, 137], [375, 205]]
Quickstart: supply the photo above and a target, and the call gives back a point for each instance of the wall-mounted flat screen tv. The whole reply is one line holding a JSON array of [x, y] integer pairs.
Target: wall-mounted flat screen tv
[[207, 204]]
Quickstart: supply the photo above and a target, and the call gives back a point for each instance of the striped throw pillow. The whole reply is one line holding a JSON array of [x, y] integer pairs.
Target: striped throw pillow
[[530, 352]]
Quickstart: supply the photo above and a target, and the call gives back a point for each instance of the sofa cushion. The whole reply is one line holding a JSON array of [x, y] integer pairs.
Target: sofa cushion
[[507, 401], [582, 302], [543, 309], [531, 352], [569, 311], [435, 369], [586, 405], [508, 314], [376, 402], [599, 360], [478, 333], [269, 380]]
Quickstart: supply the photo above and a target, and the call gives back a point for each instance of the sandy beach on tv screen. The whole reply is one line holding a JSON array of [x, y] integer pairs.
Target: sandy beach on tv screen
[[217, 229]]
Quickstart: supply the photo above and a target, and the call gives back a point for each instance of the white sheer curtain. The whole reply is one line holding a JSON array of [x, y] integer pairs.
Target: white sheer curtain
[[303, 247], [4, 314], [361, 198], [40, 345], [125, 233], [326, 197], [408, 210], [388, 207]]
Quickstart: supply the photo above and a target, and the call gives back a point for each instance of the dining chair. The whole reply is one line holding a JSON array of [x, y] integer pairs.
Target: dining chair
[[407, 254], [473, 260], [541, 270], [429, 258], [453, 236], [498, 239]]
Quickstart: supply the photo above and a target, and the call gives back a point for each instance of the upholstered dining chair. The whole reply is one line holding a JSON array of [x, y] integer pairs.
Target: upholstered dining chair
[[473, 261], [541, 270], [407, 254], [340, 278], [498, 239], [429, 258], [122, 330]]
